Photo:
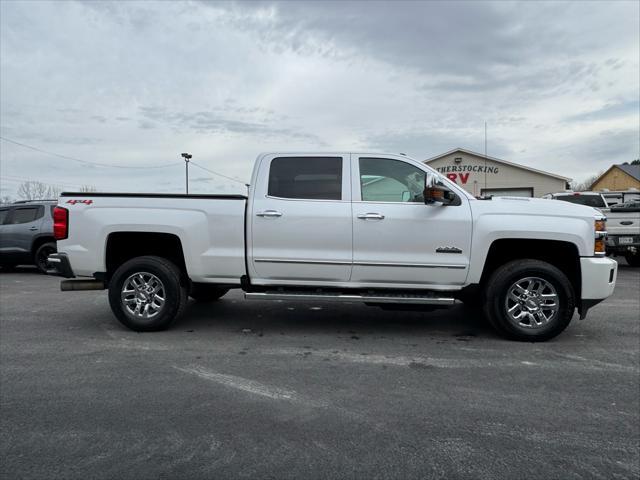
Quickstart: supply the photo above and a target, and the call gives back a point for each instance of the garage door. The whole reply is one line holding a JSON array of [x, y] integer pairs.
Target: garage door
[[507, 192]]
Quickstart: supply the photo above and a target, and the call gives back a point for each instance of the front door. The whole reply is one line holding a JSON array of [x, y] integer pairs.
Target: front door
[[397, 239], [21, 226], [300, 220]]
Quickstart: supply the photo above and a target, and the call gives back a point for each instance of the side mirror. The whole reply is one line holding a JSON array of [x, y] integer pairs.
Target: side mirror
[[434, 192]]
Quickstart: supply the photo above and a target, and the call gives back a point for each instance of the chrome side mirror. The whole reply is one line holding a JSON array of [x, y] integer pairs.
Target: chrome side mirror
[[436, 192]]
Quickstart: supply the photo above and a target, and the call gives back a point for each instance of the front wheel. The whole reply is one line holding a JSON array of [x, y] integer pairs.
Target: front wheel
[[529, 300], [147, 293]]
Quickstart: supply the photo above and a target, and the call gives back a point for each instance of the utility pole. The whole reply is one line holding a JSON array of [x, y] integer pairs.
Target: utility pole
[[186, 157], [485, 155]]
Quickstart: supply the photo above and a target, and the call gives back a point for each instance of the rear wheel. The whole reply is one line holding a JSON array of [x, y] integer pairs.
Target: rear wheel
[[633, 259], [147, 293], [41, 257], [529, 300], [204, 292]]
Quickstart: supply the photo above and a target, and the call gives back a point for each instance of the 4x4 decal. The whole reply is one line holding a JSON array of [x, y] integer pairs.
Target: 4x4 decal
[[86, 202]]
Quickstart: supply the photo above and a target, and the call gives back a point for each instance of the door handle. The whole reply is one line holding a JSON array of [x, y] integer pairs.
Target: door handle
[[371, 216], [269, 213], [33, 229]]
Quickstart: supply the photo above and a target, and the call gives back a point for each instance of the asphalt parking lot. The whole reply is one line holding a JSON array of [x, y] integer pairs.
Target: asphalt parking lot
[[246, 389]]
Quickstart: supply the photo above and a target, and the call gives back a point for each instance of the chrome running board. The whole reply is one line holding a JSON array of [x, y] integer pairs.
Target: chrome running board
[[411, 299]]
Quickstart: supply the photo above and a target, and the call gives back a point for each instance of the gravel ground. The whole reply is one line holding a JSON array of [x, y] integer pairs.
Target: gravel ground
[[252, 389]]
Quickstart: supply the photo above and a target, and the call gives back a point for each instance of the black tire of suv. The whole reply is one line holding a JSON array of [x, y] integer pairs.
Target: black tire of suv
[[41, 255], [174, 288], [204, 292], [505, 276], [633, 259]]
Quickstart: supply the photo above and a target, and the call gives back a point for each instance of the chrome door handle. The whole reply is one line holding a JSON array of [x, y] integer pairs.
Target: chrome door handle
[[269, 213], [371, 216], [33, 229]]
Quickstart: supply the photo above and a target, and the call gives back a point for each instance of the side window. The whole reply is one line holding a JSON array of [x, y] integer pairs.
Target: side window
[[25, 215], [313, 178], [387, 180], [3, 215]]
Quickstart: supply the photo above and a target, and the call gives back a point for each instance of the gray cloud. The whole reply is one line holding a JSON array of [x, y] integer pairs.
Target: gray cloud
[[217, 122]]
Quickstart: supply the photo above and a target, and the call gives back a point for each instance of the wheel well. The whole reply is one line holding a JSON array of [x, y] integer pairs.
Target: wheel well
[[40, 241], [123, 246], [563, 255]]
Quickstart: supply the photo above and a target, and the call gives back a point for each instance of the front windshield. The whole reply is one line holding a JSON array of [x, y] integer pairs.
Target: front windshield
[[595, 201]]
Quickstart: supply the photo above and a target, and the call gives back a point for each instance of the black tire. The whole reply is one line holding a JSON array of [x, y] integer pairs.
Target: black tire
[[173, 286], [41, 255], [633, 259], [504, 279], [205, 292]]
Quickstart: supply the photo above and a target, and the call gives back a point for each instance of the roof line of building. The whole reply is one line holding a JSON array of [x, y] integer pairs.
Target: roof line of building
[[619, 166], [494, 159]]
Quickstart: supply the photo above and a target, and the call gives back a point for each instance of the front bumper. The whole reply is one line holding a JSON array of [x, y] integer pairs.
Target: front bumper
[[598, 281], [60, 265]]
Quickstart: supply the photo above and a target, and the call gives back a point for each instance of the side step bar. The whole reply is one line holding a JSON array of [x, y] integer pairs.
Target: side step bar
[[342, 297], [73, 285]]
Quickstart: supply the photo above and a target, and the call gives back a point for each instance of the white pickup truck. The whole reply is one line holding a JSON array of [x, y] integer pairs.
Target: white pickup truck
[[382, 229]]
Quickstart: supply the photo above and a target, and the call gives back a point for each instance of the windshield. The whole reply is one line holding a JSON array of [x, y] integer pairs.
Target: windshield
[[588, 200]]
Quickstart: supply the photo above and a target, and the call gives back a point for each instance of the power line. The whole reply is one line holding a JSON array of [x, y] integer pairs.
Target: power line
[[16, 179], [31, 147], [217, 173]]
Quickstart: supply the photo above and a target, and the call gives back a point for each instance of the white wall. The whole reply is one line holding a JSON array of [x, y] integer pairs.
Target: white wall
[[470, 175]]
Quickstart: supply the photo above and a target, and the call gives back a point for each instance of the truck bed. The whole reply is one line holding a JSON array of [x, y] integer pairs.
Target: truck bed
[[210, 229]]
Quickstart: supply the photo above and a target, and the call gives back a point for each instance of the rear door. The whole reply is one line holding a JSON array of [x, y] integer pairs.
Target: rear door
[[299, 220], [397, 239]]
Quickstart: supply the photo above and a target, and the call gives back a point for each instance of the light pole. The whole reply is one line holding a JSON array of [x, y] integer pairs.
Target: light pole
[[186, 157]]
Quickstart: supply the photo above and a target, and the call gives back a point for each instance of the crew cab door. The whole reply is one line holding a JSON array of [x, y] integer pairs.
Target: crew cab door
[[299, 220], [397, 239]]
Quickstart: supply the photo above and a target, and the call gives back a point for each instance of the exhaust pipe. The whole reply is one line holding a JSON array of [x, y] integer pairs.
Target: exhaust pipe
[[71, 285]]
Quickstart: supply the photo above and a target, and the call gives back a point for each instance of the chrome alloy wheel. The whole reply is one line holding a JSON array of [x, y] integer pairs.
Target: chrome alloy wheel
[[143, 295], [532, 302]]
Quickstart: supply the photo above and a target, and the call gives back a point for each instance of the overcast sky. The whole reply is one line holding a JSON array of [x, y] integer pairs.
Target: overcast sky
[[137, 83]]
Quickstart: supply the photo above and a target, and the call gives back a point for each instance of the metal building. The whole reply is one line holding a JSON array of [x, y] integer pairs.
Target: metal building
[[480, 175]]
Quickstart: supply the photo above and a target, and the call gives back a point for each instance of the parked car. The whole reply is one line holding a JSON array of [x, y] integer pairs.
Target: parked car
[[623, 227], [26, 233], [385, 230], [590, 199]]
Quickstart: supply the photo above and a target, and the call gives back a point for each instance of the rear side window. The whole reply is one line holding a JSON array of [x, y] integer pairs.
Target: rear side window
[[312, 178], [3, 215], [26, 215], [588, 200]]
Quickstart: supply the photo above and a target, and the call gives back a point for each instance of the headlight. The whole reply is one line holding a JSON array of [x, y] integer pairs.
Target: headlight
[[600, 233]]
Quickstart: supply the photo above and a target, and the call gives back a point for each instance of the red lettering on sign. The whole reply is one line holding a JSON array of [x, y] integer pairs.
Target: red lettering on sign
[[86, 202], [452, 176], [464, 177]]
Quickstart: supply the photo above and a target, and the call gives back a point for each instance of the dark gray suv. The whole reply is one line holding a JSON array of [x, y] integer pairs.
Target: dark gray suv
[[26, 233]]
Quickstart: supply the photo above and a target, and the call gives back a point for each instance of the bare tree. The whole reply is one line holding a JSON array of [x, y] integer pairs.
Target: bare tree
[[34, 190], [5, 200], [586, 183], [88, 188]]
